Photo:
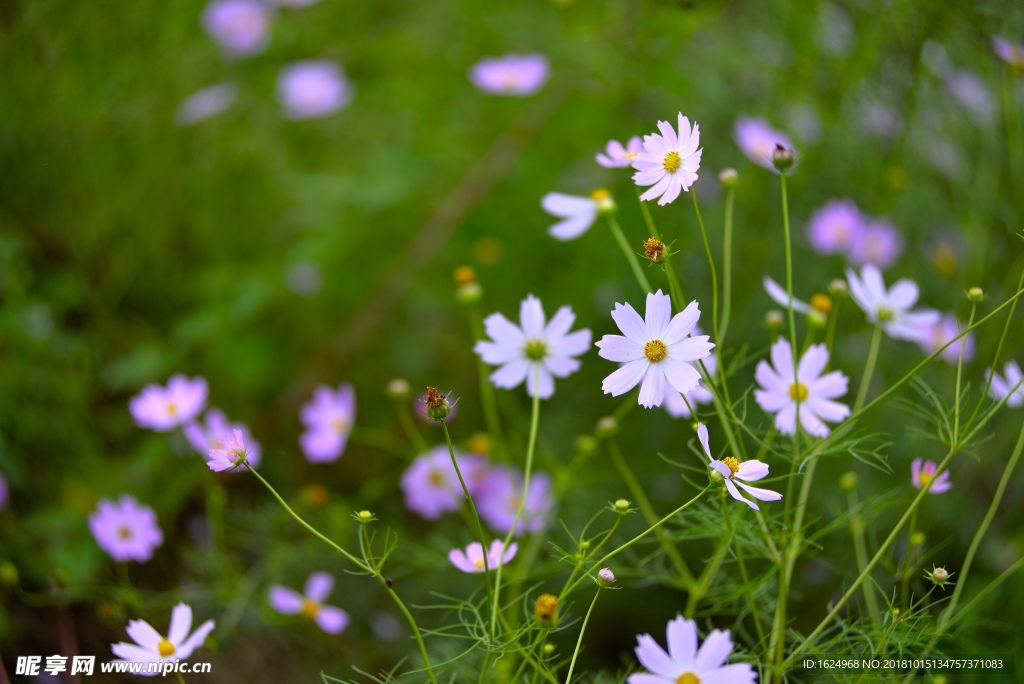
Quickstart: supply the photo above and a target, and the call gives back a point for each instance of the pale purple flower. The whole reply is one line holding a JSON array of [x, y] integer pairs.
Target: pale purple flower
[[684, 663], [165, 408], [231, 454], [206, 103], [311, 603], [518, 75], [892, 308], [472, 559], [617, 156], [1011, 53], [879, 243], [735, 473], [669, 161], [241, 27], [942, 332], [535, 351], [5, 493], [835, 227], [328, 419], [296, 3], [673, 401], [500, 494], [654, 352], [923, 472], [970, 90], [1003, 385], [780, 388], [313, 89], [779, 295], [757, 140], [125, 529], [152, 647], [431, 485], [215, 431], [577, 213]]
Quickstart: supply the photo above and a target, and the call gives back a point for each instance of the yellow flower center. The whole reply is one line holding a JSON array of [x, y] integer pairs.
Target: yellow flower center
[[165, 648], [822, 303], [172, 408], [479, 564], [885, 314], [310, 608], [630, 155], [732, 464], [655, 351], [124, 533], [924, 478], [536, 349], [798, 391], [339, 424], [688, 678], [600, 195], [672, 162], [436, 478]]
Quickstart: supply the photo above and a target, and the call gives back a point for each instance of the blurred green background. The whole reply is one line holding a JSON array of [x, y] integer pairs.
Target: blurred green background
[[132, 248]]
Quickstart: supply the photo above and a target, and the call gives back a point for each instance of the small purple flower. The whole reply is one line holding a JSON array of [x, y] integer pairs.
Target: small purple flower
[[125, 529], [499, 498], [214, 433], [944, 330], [518, 75], [241, 27], [152, 647], [921, 475], [971, 92], [296, 3], [310, 603], [879, 244], [472, 559], [615, 156], [1011, 53], [165, 408], [1010, 381], [206, 103], [4, 493], [835, 227], [328, 420], [231, 455], [313, 89], [431, 485], [757, 140]]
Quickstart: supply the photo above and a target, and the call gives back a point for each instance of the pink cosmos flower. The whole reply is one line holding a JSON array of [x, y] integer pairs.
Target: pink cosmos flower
[[241, 27], [1009, 381], [1011, 53], [152, 647], [892, 308], [206, 103], [940, 333], [328, 419], [165, 408], [517, 75], [232, 454], [922, 475], [431, 485], [535, 351], [125, 529], [669, 161], [835, 227], [781, 388], [498, 501], [879, 244], [472, 559], [313, 89], [577, 213], [617, 156], [684, 663], [735, 473], [757, 140], [215, 431], [310, 603]]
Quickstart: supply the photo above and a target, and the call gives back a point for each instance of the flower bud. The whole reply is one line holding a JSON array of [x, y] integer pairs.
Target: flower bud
[[437, 404], [817, 319], [821, 303], [917, 538], [728, 178], [546, 609], [464, 275], [398, 389], [549, 649], [364, 517], [586, 444], [654, 249], [604, 200], [939, 576], [8, 574], [848, 481], [585, 544], [607, 426], [621, 506], [773, 320], [605, 577], [837, 288], [468, 294], [782, 158], [976, 294]]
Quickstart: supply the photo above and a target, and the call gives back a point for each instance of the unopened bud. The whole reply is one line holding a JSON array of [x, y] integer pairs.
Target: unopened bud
[[817, 319], [8, 574], [939, 576], [398, 389], [917, 539], [546, 609], [728, 178], [607, 426], [585, 544], [549, 649], [586, 444], [464, 275], [469, 293], [976, 294], [604, 201], [774, 320], [621, 506], [837, 288], [364, 517], [605, 577], [821, 303], [782, 158], [654, 249], [848, 481], [437, 404]]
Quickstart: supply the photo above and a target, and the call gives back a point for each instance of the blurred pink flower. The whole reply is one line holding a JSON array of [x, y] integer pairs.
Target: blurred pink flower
[[241, 27], [941, 332], [313, 89], [125, 529], [206, 103], [1011, 53], [921, 475], [328, 419], [232, 454], [517, 75], [215, 431], [165, 408], [499, 497], [891, 308], [310, 603], [472, 559], [431, 485], [757, 140], [152, 647], [616, 156], [669, 162], [835, 227], [879, 244], [1009, 381]]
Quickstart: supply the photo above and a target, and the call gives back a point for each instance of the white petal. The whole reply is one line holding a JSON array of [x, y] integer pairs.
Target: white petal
[[903, 294], [772, 401], [782, 359], [675, 186], [619, 348], [682, 642], [571, 228], [691, 349], [769, 379], [761, 494], [829, 386], [713, 652], [812, 364], [653, 657], [630, 323], [659, 188], [781, 297], [503, 331], [559, 325], [702, 435], [540, 383], [682, 376], [831, 411], [557, 204], [531, 317], [181, 623], [194, 641], [653, 387], [626, 378], [561, 366], [511, 374], [751, 471], [571, 345], [785, 420], [497, 354], [734, 493], [683, 323], [658, 314]]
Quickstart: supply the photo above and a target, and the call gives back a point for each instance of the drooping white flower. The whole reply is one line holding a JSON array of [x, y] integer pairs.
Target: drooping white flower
[[781, 388], [734, 473], [1003, 385], [534, 351], [891, 309], [152, 647], [577, 213], [669, 161], [656, 351], [684, 663]]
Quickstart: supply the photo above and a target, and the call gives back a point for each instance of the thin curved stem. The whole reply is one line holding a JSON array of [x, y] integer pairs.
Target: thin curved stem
[[634, 262], [579, 641]]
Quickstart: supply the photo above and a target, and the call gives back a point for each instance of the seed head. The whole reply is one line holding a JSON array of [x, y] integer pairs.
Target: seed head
[[654, 249], [546, 609], [437, 404]]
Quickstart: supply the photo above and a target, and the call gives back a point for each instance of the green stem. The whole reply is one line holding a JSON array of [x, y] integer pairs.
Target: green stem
[[487, 396], [830, 334], [869, 369], [959, 375], [409, 427], [647, 217], [860, 550], [738, 547], [907, 567], [579, 641], [730, 195], [181, 678], [634, 262]]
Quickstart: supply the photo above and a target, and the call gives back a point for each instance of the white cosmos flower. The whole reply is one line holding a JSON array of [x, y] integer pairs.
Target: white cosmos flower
[[151, 647], [577, 213], [656, 351], [669, 162], [533, 351], [1010, 381], [684, 663], [673, 401], [780, 389], [891, 309], [733, 472]]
